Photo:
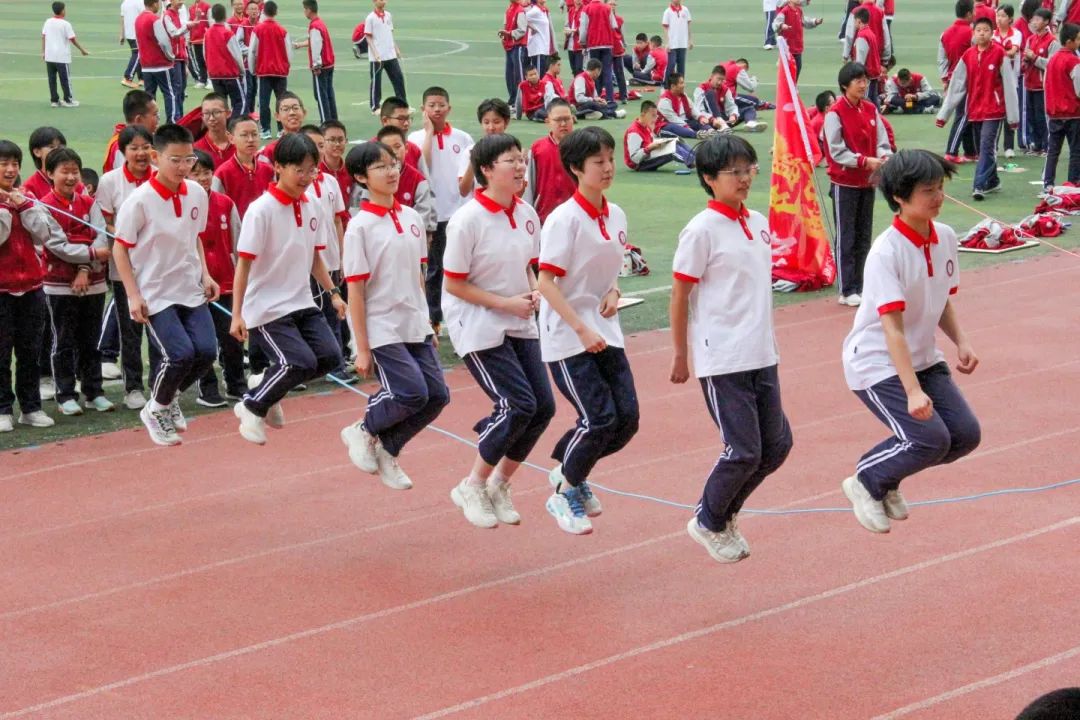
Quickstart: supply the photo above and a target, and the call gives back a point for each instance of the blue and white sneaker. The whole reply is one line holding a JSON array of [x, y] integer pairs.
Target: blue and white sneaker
[[590, 501], [70, 407], [568, 509]]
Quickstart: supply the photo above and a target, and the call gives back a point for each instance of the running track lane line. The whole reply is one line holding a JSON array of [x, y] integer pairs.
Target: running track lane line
[[981, 684], [753, 617]]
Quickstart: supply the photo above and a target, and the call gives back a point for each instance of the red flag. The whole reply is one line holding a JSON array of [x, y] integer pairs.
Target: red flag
[[801, 253]]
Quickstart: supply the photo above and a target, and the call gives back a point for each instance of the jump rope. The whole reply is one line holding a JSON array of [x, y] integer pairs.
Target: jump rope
[[664, 501]]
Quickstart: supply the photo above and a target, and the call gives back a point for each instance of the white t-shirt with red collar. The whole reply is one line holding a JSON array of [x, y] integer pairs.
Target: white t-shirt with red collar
[[280, 236], [492, 247], [161, 230], [447, 148], [582, 246], [910, 274], [326, 197], [727, 255], [386, 247]]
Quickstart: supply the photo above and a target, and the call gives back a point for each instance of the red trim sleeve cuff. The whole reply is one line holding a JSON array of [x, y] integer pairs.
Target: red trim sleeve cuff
[[246, 255], [685, 278], [860, 161], [553, 269], [320, 247], [534, 261], [125, 243], [897, 306], [357, 278], [953, 290], [456, 275]]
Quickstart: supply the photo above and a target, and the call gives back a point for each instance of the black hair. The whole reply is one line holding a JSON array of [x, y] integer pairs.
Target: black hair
[[647, 105], [435, 91], [287, 95], [495, 105], [89, 178], [312, 5], [862, 15], [311, 129], [10, 151], [333, 125], [657, 40], [593, 64], [363, 156], [150, 3], [233, 122], [720, 152], [294, 148], [851, 72], [218, 13], [908, 169], [128, 135], [580, 145], [904, 74], [136, 103], [203, 158], [387, 130], [1028, 8], [171, 134], [987, 22], [1063, 704], [270, 8], [487, 150], [718, 70], [824, 99], [57, 8], [1069, 31], [964, 8], [554, 59], [560, 102], [744, 61], [43, 137], [215, 97], [531, 66], [1044, 14], [672, 78], [1007, 9], [59, 156], [391, 104]]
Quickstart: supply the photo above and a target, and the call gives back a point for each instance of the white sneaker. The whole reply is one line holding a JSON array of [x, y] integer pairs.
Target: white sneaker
[[177, 415], [1010, 153], [569, 511], [594, 115], [723, 546], [620, 114], [134, 400], [69, 103], [254, 380], [100, 403], [733, 528], [590, 501], [361, 447], [504, 508], [37, 419], [275, 416], [895, 505], [47, 388], [768, 46], [70, 407], [755, 126], [852, 300], [390, 472], [111, 371], [7, 423], [252, 427], [159, 423], [869, 512], [475, 503]]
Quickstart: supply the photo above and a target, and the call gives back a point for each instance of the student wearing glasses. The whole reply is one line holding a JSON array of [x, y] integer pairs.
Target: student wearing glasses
[[215, 143]]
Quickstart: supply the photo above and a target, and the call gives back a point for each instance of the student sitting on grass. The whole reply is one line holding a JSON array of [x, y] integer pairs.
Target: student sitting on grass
[[640, 141]]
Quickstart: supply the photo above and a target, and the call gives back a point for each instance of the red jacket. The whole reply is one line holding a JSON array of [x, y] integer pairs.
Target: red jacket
[[217, 241], [590, 86], [1040, 45], [407, 184], [179, 42], [220, 63], [327, 58], [59, 272], [859, 128], [659, 56], [532, 96], [1061, 100], [344, 179], [984, 10], [271, 59], [200, 13], [573, 15], [510, 24], [553, 184], [680, 104], [877, 23], [985, 89], [20, 268], [793, 18], [873, 54], [150, 53], [599, 33], [556, 82], [955, 40], [636, 128], [618, 48]]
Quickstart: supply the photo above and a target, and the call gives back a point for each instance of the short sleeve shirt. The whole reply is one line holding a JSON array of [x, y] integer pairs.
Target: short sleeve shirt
[[727, 255], [381, 30], [491, 247], [678, 27], [58, 35], [113, 189], [447, 148], [909, 274], [583, 247], [325, 197]]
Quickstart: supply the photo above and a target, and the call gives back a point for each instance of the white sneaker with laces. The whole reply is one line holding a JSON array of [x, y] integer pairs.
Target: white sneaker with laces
[[390, 472], [869, 512], [722, 546], [361, 447], [896, 506], [134, 400], [475, 504], [590, 501], [37, 419], [252, 427], [620, 114], [733, 528], [47, 388], [7, 423], [504, 508], [69, 103], [100, 403], [70, 407], [177, 415], [852, 300], [569, 512], [111, 371], [159, 423]]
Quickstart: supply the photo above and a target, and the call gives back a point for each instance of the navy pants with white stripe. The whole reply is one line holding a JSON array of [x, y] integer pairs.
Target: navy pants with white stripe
[[514, 70], [300, 347], [75, 321], [185, 339], [757, 439], [323, 83], [514, 377], [853, 210], [601, 389], [232, 89], [951, 433], [412, 395], [392, 68], [162, 79]]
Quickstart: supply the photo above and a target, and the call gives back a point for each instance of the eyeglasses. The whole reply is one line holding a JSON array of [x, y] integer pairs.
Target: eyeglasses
[[391, 168], [212, 113], [512, 161], [741, 173], [291, 108], [561, 120], [186, 161], [401, 118]]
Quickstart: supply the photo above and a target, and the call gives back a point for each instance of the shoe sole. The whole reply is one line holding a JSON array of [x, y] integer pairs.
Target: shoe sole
[[374, 467], [154, 437], [455, 495], [250, 437], [88, 406], [581, 531], [692, 531], [278, 416], [849, 493], [394, 485]]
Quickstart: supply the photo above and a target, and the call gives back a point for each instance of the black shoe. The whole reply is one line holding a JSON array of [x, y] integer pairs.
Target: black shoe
[[212, 400], [342, 377], [234, 394], [299, 388]]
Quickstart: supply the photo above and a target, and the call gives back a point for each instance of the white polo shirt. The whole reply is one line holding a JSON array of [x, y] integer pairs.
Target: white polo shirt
[[583, 247], [386, 247], [540, 40], [58, 35], [381, 30], [446, 150], [129, 10], [907, 273], [678, 27], [325, 196], [161, 230], [727, 254], [279, 236], [114, 187], [492, 247]]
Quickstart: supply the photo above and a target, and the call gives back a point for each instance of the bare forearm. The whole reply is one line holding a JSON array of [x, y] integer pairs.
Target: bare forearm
[[678, 313], [950, 325], [358, 313], [558, 302], [240, 281], [472, 294], [899, 353]]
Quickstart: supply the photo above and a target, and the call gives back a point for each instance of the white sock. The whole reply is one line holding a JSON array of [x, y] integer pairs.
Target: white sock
[[495, 479], [155, 406], [474, 480]]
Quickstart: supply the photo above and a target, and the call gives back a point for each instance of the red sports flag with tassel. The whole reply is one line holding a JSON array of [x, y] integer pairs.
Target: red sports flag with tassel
[[802, 258]]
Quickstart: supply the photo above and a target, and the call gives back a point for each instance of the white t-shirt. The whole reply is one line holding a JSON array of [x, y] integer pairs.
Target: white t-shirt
[[129, 10], [280, 236], [728, 257], [58, 35], [161, 231], [386, 248], [678, 27], [1015, 39], [446, 150], [381, 30], [540, 39], [325, 196], [492, 249], [583, 247], [114, 187], [916, 279]]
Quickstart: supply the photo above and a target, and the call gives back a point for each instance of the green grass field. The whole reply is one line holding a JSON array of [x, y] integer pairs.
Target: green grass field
[[452, 43]]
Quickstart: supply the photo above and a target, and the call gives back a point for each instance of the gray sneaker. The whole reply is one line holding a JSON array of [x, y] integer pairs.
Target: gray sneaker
[[159, 424], [37, 419], [723, 546], [177, 416]]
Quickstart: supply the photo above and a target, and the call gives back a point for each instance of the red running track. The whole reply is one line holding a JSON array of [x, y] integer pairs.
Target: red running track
[[224, 580]]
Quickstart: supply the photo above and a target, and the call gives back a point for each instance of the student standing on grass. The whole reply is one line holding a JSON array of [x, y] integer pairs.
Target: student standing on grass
[[722, 290], [581, 254], [790, 24], [320, 60], [385, 249], [494, 118], [129, 10], [514, 37], [1040, 46], [383, 55], [199, 19], [156, 58], [890, 358], [549, 182], [677, 36], [225, 62], [1011, 40], [270, 53], [596, 31], [1062, 84], [954, 42], [541, 40], [490, 299], [177, 26], [57, 37], [278, 251]]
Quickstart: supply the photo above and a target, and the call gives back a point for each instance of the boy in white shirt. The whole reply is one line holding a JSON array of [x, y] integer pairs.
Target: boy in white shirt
[[385, 249], [278, 249], [57, 37], [722, 289], [676, 22], [494, 117], [890, 358], [383, 54], [581, 253], [160, 260], [490, 298]]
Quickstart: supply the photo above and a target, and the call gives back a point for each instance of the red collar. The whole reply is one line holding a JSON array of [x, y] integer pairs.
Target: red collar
[[381, 14], [381, 211], [285, 199], [445, 132], [317, 184], [130, 176], [594, 214], [918, 241], [493, 207], [676, 9], [732, 214], [167, 194]]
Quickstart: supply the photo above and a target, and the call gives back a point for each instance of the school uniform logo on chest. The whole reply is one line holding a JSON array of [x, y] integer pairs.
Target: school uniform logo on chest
[[950, 268], [313, 224], [530, 227], [414, 230], [194, 213], [622, 237], [456, 148], [766, 237]]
